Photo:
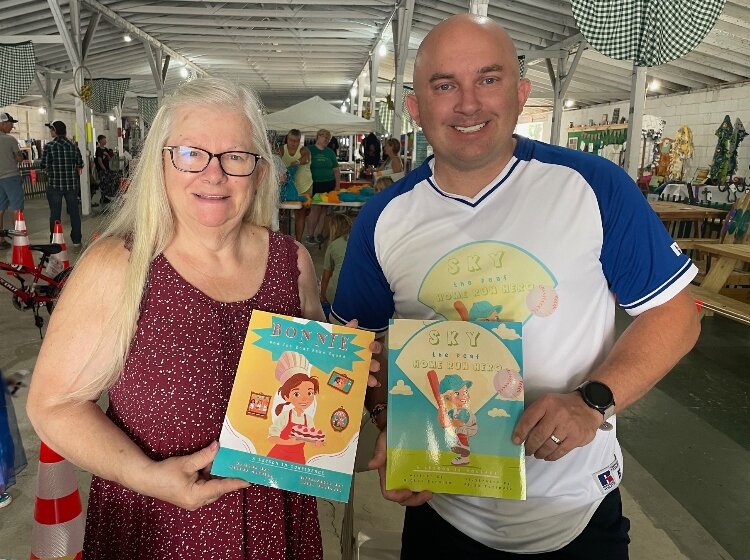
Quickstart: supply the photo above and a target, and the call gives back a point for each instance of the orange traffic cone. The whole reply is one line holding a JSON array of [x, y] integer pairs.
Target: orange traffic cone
[[59, 262], [59, 522], [21, 252]]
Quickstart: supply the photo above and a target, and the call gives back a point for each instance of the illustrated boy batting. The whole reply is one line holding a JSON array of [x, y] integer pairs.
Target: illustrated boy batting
[[455, 392]]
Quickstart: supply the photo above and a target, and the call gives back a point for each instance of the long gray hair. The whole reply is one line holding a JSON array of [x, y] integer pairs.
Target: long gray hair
[[144, 216]]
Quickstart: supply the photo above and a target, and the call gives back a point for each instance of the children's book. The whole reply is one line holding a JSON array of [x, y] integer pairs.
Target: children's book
[[296, 404], [455, 393]]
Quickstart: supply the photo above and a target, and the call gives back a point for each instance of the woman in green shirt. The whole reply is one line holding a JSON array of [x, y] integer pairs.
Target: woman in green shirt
[[326, 178]]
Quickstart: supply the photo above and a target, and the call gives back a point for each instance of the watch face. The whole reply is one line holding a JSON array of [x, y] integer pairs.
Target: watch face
[[599, 394]]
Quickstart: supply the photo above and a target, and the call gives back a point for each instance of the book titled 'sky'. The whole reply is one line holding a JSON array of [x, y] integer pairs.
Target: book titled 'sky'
[[295, 409], [455, 393]]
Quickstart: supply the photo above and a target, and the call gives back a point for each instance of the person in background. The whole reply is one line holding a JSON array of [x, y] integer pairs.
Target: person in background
[[339, 226], [155, 314], [392, 163], [12, 455], [381, 183], [326, 177], [494, 212], [102, 158], [11, 191], [295, 155], [369, 149], [63, 161]]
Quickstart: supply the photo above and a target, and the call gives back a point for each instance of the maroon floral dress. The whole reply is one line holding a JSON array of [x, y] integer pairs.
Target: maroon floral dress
[[171, 401]]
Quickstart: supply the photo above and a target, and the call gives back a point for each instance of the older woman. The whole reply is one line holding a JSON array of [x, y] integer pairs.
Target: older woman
[[156, 314]]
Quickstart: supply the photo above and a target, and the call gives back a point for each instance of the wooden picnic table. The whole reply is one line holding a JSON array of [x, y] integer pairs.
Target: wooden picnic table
[[672, 213], [730, 254]]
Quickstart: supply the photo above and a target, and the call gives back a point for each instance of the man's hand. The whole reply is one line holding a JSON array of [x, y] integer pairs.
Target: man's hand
[[403, 497], [565, 416]]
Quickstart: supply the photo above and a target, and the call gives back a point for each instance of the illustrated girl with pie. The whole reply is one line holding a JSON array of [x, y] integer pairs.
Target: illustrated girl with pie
[[293, 425]]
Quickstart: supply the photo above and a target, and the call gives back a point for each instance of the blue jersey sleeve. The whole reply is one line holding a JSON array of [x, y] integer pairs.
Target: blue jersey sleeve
[[363, 292], [643, 265]]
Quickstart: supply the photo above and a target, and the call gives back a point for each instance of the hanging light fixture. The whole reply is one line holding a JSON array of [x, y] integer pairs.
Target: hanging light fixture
[[127, 38]]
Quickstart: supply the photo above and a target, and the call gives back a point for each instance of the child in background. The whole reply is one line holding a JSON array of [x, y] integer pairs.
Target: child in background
[[382, 183], [12, 456], [339, 227]]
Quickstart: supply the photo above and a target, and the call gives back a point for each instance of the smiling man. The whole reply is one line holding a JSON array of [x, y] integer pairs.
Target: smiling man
[[540, 235]]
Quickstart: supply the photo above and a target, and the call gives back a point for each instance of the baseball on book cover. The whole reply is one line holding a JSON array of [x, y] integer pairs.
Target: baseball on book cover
[[294, 412], [455, 393]]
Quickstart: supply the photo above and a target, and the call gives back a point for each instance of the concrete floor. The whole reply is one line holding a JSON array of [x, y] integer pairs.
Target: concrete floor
[[687, 449]]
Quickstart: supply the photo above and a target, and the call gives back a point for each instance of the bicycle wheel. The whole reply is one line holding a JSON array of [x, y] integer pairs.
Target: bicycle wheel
[[61, 279]]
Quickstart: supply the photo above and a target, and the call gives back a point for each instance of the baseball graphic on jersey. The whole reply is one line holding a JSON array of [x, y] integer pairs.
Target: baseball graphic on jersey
[[542, 301]]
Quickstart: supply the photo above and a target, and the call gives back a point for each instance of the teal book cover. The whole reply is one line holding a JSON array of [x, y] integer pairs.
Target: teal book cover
[[296, 405], [455, 393]]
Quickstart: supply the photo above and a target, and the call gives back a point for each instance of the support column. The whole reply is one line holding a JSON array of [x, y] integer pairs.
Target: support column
[[635, 121], [120, 133], [374, 69], [72, 41], [478, 7], [401, 32]]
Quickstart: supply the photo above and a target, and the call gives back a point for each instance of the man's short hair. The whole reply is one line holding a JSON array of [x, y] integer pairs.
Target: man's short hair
[[59, 127], [99, 138], [295, 132]]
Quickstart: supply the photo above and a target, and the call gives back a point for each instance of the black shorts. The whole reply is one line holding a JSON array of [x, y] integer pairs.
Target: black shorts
[[323, 186], [605, 536]]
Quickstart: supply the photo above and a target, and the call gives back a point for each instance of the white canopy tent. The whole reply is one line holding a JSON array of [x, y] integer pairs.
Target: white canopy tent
[[311, 115]]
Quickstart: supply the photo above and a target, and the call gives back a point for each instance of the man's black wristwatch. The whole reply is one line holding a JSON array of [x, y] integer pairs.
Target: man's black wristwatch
[[599, 397]]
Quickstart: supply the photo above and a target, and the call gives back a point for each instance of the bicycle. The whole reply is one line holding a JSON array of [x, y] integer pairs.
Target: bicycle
[[41, 290]]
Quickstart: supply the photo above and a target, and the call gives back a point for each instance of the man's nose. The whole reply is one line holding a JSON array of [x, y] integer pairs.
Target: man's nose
[[468, 101]]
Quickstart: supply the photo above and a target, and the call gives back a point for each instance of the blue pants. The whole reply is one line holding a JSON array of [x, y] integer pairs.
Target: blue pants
[[55, 198]]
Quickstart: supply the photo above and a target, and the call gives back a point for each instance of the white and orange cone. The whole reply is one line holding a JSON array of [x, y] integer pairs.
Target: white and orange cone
[[21, 252], [59, 522], [59, 262]]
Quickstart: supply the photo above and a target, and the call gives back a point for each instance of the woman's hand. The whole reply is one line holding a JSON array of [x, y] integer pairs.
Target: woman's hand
[[186, 481], [375, 348]]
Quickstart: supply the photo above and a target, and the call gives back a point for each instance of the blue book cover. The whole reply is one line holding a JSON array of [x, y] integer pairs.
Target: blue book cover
[[455, 393]]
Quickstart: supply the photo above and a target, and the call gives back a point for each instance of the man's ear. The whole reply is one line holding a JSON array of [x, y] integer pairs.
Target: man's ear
[[412, 105], [524, 90]]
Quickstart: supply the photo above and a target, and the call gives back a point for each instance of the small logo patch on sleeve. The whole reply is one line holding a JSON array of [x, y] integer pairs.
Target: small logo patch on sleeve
[[609, 477], [676, 249]]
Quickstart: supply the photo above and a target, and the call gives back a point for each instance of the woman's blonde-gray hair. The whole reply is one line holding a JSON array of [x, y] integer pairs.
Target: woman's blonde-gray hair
[[143, 215]]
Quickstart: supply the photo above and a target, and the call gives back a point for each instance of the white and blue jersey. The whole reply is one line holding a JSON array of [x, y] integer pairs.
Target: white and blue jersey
[[553, 242]]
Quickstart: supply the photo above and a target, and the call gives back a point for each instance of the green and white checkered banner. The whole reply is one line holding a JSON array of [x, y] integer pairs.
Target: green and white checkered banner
[[17, 68], [522, 66], [147, 107], [106, 93], [648, 32]]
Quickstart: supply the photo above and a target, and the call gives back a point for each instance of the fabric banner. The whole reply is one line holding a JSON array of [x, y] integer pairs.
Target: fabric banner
[[17, 69], [106, 93], [147, 107], [648, 32], [522, 66]]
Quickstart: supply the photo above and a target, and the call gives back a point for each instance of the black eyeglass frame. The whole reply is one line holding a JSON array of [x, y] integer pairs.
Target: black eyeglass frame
[[210, 157]]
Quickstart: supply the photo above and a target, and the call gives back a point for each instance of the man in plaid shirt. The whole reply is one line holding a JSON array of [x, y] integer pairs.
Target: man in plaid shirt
[[63, 162]]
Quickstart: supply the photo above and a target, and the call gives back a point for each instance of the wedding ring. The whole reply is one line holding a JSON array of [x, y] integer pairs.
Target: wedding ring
[[555, 439]]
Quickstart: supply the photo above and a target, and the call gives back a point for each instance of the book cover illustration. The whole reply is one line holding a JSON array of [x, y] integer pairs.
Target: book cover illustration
[[296, 404], [455, 393]]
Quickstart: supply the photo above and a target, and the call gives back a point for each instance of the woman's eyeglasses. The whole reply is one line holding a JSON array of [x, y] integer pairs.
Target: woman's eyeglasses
[[195, 160]]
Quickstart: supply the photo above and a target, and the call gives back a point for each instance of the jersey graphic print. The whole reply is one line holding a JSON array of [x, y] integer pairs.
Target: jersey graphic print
[[489, 281]]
